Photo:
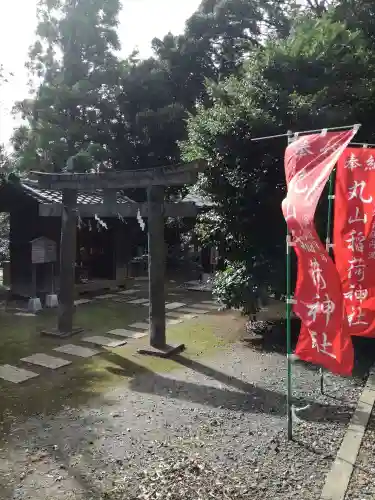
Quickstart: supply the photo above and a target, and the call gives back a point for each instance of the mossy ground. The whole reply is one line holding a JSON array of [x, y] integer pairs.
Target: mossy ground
[[86, 378]]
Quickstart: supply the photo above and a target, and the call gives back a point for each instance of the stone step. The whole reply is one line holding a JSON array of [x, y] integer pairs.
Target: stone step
[[174, 305], [104, 341], [41, 359], [80, 302], [16, 375], [129, 334], [140, 325], [139, 302], [106, 296], [131, 291], [77, 350]]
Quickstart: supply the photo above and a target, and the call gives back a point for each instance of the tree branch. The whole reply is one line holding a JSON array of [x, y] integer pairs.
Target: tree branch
[[318, 6]]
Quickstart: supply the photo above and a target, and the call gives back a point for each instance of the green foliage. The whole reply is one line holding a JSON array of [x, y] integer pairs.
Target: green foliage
[[304, 70], [357, 15], [234, 288], [289, 83], [4, 236], [6, 162], [136, 110], [73, 106], [241, 69]]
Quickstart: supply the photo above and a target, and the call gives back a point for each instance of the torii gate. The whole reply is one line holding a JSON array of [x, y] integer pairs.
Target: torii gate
[[154, 181]]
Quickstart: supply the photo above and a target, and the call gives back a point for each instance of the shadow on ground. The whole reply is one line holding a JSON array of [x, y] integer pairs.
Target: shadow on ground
[[226, 391], [238, 396], [270, 336]]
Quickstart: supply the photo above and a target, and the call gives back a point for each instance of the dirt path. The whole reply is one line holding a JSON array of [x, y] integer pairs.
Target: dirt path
[[229, 410]]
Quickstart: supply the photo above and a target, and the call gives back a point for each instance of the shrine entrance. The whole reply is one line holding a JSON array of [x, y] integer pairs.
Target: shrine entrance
[[155, 210], [96, 254]]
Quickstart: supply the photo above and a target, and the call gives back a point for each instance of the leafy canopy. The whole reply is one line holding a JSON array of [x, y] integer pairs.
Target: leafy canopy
[[321, 75]]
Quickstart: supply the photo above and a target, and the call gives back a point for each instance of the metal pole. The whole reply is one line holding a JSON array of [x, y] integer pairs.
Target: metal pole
[[289, 340], [345, 127], [289, 326], [328, 244]]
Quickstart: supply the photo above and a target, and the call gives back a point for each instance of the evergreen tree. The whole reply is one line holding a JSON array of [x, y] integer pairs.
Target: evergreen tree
[[73, 58]]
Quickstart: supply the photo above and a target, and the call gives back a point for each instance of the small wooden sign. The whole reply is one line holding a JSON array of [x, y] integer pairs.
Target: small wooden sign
[[43, 250]]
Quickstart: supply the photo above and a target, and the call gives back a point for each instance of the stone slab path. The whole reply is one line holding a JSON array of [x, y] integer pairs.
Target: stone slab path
[[16, 375], [77, 350], [129, 334], [103, 341], [131, 291], [174, 305], [41, 359], [176, 313], [139, 302], [140, 325], [80, 302], [106, 296]]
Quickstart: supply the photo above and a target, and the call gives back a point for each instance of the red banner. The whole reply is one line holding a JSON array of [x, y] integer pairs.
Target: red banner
[[354, 237], [318, 300]]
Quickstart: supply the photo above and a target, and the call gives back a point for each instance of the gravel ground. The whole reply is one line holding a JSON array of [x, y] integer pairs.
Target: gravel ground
[[362, 486], [214, 429]]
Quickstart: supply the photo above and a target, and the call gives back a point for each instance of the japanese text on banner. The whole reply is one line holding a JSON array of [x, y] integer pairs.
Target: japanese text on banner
[[318, 297], [354, 237]]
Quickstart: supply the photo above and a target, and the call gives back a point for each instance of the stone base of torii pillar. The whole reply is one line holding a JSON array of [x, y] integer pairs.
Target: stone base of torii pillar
[[164, 352]]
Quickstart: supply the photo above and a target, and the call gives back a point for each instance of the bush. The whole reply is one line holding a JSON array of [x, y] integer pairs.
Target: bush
[[234, 288]]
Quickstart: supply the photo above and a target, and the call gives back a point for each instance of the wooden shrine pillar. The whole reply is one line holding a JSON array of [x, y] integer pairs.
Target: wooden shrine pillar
[[68, 252], [156, 265]]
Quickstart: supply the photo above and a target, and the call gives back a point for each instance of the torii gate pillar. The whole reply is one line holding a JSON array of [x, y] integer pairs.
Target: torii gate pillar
[[156, 266]]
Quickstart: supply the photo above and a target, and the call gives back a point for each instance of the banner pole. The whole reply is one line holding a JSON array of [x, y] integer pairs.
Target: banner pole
[[276, 136], [328, 244], [289, 340], [288, 326]]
